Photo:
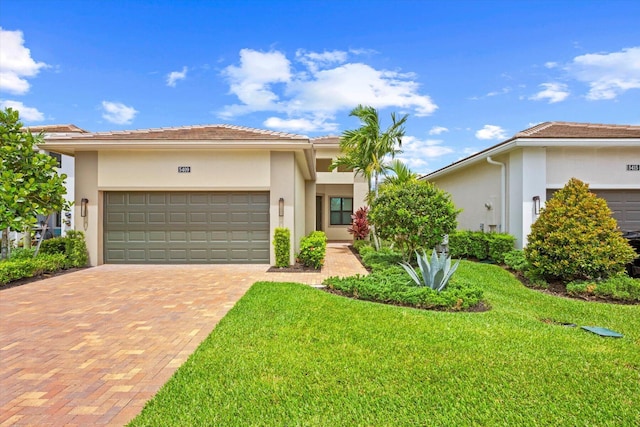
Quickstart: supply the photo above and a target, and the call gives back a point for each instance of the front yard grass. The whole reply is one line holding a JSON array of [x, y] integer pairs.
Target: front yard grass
[[288, 354]]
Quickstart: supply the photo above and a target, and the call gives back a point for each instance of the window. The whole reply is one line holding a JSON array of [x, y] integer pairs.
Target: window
[[341, 209], [322, 165]]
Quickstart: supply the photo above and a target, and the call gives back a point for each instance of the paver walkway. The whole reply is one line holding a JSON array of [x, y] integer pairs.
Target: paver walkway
[[91, 347]]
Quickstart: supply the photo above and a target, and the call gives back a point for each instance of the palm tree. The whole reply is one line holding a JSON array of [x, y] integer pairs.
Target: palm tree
[[367, 148], [401, 174]]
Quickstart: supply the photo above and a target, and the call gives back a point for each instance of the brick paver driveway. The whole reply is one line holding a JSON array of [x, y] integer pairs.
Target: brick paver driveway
[[91, 347]]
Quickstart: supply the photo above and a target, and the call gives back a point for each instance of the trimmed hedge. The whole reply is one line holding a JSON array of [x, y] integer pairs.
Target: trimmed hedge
[[282, 246], [313, 249], [392, 285], [480, 245], [16, 269], [621, 288]]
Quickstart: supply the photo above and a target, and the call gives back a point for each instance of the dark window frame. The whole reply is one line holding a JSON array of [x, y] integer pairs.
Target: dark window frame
[[342, 214]]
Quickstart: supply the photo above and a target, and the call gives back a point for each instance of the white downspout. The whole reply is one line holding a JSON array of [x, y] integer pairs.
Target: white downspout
[[503, 193]]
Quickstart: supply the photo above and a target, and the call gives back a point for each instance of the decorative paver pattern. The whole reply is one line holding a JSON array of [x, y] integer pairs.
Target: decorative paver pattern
[[91, 347]]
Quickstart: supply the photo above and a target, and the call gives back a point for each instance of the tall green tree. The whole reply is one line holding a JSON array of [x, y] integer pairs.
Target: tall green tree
[[367, 149], [29, 181]]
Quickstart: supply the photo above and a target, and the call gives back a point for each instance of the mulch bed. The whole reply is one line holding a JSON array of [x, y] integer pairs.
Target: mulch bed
[[43, 276]]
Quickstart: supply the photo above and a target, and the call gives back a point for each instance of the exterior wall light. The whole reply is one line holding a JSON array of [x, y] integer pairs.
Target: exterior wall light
[[536, 205], [281, 207], [83, 207]]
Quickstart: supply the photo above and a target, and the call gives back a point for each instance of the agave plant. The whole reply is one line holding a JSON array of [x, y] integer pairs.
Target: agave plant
[[435, 272]]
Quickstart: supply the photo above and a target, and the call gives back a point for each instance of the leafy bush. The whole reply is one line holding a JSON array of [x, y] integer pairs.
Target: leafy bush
[[515, 260], [11, 270], [415, 215], [56, 245], [480, 245], [576, 238], [360, 225], [359, 244], [21, 268], [282, 246], [391, 285], [76, 249], [499, 245], [382, 258], [22, 253], [313, 249], [622, 288], [434, 273]]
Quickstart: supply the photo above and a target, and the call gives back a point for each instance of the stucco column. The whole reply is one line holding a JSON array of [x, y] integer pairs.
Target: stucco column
[[527, 179], [86, 187], [283, 177]]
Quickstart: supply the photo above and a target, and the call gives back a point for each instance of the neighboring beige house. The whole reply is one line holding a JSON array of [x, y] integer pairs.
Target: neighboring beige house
[[502, 187], [204, 194]]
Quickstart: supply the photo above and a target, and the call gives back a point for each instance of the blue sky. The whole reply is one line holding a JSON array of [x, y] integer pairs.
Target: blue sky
[[469, 73]]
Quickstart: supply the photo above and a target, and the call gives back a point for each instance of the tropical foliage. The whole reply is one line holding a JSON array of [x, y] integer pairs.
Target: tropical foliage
[[435, 272], [360, 225], [576, 238], [416, 215], [29, 181]]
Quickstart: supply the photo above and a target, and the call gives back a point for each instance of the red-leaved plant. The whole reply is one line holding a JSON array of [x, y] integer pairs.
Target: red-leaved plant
[[360, 225]]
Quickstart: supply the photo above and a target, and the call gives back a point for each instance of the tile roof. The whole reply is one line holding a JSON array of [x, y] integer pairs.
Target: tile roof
[[329, 139], [56, 129], [579, 130], [200, 132]]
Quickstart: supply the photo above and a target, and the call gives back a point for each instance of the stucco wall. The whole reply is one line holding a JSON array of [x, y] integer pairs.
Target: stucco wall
[[86, 186], [603, 168], [334, 232], [471, 188], [299, 211], [283, 176], [219, 170]]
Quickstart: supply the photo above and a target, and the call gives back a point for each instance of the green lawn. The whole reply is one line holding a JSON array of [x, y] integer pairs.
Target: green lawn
[[289, 355]]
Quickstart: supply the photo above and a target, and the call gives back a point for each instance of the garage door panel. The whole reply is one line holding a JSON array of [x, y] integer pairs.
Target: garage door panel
[[186, 227]]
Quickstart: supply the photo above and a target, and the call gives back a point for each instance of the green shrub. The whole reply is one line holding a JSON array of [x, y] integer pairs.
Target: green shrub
[[459, 244], [313, 249], [22, 268], [499, 245], [358, 244], [576, 238], [282, 246], [414, 215], [480, 245], [56, 245], [48, 263], [21, 253], [11, 270], [515, 260], [76, 249], [381, 258], [392, 286], [622, 288]]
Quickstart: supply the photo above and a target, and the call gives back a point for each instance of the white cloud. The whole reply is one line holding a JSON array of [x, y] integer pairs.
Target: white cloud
[[174, 76], [16, 63], [551, 64], [437, 130], [315, 124], [324, 85], [28, 114], [554, 92], [608, 74], [416, 152], [491, 132], [118, 113]]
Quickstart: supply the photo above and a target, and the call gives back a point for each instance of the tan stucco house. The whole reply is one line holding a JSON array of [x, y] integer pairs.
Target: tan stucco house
[[503, 187], [204, 194]]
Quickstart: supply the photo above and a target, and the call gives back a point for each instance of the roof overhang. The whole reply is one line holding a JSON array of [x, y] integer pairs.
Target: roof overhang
[[515, 143]]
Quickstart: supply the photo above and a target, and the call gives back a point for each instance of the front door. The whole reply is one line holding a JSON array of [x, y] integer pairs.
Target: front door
[[318, 213]]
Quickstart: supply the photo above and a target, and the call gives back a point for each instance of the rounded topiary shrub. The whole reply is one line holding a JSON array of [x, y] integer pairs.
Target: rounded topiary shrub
[[413, 215], [576, 238]]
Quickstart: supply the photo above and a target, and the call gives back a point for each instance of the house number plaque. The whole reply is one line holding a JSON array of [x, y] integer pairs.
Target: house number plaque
[[633, 168], [184, 169]]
